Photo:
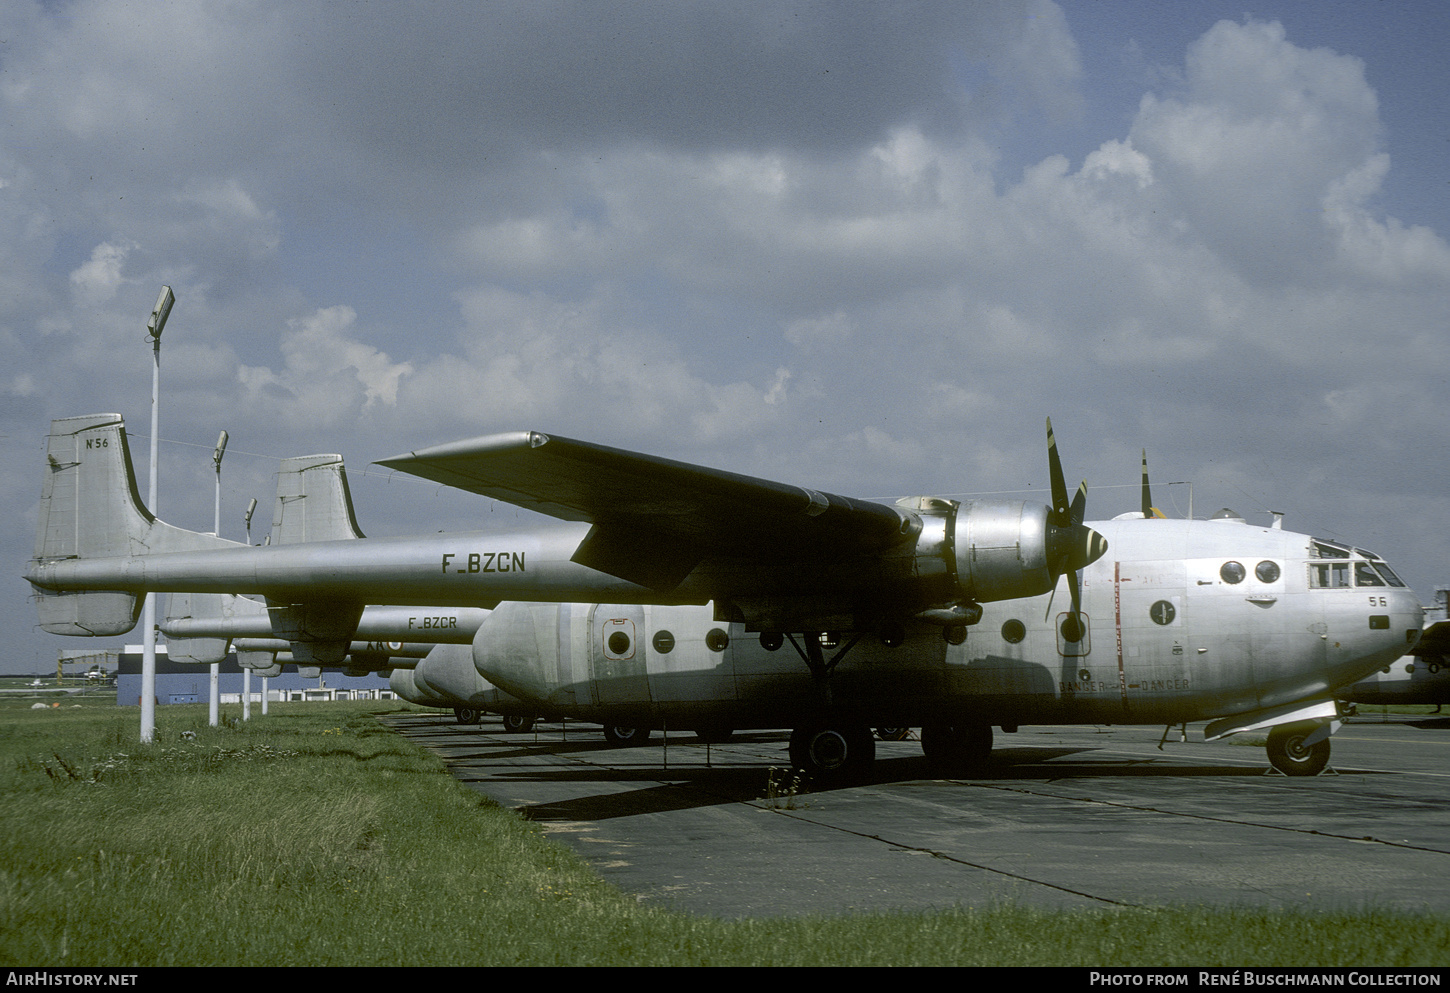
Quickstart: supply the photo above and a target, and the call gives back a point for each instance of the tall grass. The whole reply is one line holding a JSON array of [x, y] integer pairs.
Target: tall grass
[[317, 837]]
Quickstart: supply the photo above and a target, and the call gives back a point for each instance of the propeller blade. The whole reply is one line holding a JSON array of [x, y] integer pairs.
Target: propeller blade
[[1060, 509], [1071, 545], [1149, 511], [1147, 493]]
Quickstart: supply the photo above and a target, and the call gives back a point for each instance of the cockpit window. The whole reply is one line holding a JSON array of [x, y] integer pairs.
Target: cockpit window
[[1329, 575], [1364, 575], [1321, 549], [1338, 575], [1389, 575]]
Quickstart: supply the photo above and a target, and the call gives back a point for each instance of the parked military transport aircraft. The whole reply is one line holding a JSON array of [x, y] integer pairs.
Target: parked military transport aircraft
[[1187, 620]]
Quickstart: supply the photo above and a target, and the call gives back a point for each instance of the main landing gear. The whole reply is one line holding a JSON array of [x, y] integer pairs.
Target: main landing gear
[[517, 723], [625, 737], [832, 755], [957, 747]]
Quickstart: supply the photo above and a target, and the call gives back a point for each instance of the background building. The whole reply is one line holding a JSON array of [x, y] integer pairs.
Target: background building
[[178, 682]]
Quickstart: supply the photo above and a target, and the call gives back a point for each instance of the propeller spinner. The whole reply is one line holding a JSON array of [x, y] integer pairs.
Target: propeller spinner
[[1071, 545]]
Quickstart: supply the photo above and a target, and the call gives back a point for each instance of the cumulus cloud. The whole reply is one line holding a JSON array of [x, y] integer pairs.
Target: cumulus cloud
[[328, 376], [794, 239], [96, 282]]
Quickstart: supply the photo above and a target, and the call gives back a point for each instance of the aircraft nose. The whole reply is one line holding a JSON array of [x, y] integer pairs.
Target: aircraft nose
[[1406, 607]]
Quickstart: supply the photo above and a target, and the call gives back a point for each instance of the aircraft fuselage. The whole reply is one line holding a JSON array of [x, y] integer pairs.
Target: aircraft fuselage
[[1183, 621]]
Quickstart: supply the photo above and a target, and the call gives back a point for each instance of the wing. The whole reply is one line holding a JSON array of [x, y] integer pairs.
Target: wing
[[654, 519]]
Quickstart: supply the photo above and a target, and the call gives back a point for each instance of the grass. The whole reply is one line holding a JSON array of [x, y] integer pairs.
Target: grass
[[318, 837]]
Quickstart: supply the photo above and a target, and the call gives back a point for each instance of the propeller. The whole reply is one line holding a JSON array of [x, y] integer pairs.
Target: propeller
[[1071, 545]]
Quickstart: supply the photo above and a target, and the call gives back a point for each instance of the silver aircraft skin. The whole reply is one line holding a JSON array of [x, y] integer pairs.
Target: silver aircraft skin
[[1182, 621], [945, 611], [313, 504], [1420, 677], [648, 530]]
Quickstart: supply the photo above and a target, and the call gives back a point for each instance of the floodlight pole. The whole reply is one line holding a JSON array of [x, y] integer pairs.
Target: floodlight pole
[[213, 709], [154, 327], [251, 509]]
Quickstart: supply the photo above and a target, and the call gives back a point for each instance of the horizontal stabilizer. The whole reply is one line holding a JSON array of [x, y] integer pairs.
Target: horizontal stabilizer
[[87, 615]]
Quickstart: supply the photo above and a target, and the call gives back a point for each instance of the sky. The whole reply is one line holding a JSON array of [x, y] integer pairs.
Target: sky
[[863, 247]]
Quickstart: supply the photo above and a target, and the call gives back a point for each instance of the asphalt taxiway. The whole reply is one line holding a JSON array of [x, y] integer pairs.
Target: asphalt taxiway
[[1064, 817]]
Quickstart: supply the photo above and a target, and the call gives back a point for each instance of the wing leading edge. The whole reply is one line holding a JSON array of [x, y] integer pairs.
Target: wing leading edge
[[654, 519]]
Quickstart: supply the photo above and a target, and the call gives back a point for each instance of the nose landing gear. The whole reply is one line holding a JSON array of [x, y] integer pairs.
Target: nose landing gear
[[1299, 749]]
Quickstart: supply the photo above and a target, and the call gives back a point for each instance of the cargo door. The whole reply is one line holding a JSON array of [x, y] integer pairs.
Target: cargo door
[[617, 654]]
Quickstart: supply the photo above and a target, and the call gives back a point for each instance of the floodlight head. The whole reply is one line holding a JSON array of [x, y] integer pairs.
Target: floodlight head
[[251, 508], [221, 448], [160, 312]]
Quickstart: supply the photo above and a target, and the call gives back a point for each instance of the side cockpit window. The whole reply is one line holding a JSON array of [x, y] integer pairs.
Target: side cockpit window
[[1348, 567], [1329, 575]]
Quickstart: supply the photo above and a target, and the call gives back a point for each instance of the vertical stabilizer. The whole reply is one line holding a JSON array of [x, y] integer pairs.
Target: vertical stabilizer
[[313, 501], [314, 504], [90, 508]]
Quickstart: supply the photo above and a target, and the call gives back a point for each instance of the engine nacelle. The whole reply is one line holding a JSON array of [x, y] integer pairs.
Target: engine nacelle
[[1001, 549], [986, 550]]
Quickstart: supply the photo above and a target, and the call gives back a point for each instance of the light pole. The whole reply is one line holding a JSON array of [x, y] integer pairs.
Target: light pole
[[154, 327], [213, 701], [247, 520]]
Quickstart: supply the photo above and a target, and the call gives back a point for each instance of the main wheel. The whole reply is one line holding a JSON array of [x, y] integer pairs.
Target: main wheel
[[832, 754], [467, 715], [517, 723], [1290, 755], [625, 737], [957, 746]]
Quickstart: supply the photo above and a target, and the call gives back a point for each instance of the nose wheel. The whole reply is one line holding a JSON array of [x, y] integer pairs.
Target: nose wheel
[[1299, 749]]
